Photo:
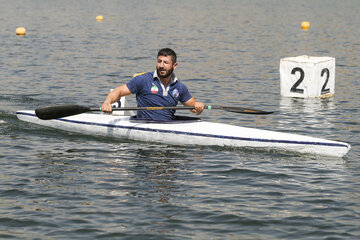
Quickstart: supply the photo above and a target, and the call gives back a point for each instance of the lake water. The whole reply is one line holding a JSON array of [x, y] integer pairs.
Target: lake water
[[59, 185]]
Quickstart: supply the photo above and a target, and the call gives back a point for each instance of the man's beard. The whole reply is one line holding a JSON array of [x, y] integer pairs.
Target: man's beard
[[167, 74]]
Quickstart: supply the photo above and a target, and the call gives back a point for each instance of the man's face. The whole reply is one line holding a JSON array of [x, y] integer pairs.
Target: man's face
[[164, 66]]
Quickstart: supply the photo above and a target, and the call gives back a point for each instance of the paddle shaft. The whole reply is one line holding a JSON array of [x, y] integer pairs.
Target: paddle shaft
[[60, 111], [206, 107], [146, 108]]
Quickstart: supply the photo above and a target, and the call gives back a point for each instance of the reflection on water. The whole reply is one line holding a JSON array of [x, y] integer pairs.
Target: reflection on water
[[314, 113], [159, 169], [307, 105]]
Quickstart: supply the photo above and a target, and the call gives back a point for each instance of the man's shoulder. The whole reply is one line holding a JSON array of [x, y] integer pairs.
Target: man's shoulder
[[143, 75], [179, 83]]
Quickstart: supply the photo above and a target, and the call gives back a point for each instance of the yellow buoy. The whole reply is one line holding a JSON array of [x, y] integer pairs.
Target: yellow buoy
[[99, 18], [20, 31], [305, 25]]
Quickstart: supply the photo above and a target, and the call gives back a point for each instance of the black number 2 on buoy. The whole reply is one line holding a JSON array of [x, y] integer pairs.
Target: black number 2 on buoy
[[307, 77]]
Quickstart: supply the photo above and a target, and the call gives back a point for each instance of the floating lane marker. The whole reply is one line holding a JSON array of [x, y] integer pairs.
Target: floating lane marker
[[20, 31], [305, 25], [307, 77]]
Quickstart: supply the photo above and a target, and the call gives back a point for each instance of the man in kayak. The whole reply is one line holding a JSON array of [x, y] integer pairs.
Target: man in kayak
[[160, 88]]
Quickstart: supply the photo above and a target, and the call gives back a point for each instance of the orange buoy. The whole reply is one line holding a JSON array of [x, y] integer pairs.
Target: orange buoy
[[305, 25], [20, 31]]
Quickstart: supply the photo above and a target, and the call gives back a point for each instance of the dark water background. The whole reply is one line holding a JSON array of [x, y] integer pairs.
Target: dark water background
[[59, 185]]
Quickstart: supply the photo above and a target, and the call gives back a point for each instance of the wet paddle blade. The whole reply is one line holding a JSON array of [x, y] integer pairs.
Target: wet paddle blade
[[239, 110], [60, 111], [245, 110]]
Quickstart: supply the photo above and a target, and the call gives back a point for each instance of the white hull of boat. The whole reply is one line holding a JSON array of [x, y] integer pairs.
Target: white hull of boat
[[190, 133]]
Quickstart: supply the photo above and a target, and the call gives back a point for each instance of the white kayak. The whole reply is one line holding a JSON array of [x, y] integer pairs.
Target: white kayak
[[189, 132]]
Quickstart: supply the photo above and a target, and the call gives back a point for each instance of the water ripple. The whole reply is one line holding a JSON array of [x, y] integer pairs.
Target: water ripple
[[60, 185]]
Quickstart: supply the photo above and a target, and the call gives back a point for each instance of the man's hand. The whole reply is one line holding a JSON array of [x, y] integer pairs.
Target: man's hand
[[113, 96], [106, 107], [199, 107]]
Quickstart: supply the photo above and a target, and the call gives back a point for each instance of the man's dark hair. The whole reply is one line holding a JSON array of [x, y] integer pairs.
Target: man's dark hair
[[168, 52]]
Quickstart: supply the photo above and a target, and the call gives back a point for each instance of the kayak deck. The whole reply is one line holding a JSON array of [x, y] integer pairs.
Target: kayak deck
[[190, 133]]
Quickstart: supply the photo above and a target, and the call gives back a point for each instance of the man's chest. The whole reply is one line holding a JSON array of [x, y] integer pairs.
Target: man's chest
[[156, 89]]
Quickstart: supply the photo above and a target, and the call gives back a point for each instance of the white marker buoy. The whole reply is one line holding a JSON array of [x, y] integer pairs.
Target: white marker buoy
[[307, 77], [20, 31]]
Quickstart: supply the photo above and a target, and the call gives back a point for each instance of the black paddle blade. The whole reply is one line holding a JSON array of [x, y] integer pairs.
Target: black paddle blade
[[59, 111], [239, 110], [245, 110]]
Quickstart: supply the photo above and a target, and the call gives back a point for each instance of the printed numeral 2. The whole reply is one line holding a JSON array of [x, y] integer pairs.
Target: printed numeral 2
[[325, 90], [295, 88], [297, 83]]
